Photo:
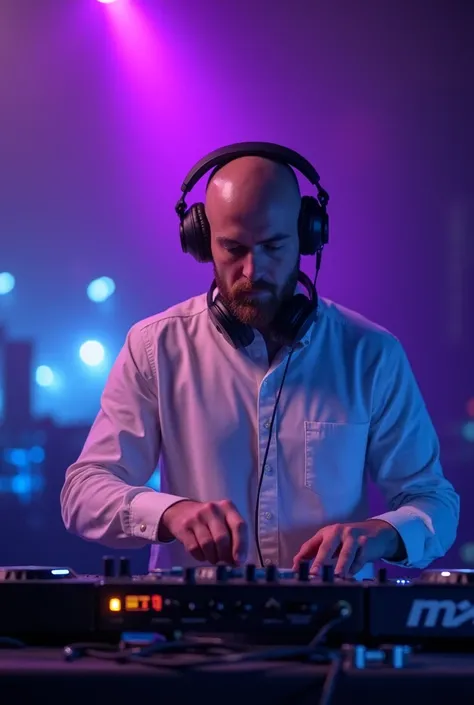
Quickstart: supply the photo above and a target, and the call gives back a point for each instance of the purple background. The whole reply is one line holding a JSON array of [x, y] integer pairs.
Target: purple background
[[104, 108]]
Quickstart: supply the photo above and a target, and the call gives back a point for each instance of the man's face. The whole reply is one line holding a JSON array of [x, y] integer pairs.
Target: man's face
[[254, 240]]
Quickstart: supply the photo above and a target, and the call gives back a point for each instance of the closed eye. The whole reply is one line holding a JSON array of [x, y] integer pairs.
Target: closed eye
[[240, 249], [235, 248], [272, 246]]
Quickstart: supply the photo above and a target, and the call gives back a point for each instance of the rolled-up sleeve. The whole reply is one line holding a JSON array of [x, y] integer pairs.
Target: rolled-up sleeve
[[104, 497], [404, 461]]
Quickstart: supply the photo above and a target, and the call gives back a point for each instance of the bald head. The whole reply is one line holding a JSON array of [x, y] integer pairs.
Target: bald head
[[252, 205], [250, 183]]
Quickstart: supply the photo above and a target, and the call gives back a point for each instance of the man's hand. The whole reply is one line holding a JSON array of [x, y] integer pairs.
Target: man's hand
[[351, 546], [211, 531]]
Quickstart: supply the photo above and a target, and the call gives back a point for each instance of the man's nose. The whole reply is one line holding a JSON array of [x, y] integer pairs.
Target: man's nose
[[252, 267]]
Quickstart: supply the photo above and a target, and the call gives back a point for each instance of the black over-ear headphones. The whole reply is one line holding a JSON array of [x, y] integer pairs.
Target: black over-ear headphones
[[313, 226], [296, 315]]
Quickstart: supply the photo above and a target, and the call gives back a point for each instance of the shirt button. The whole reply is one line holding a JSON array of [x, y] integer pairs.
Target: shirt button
[[143, 528], [268, 469], [267, 424], [268, 515], [267, 561]]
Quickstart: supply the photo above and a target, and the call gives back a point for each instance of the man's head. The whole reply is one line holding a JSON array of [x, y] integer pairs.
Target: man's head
[[252, 205]]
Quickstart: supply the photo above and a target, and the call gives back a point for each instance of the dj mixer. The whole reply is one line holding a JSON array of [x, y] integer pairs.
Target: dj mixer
[[46, 605]]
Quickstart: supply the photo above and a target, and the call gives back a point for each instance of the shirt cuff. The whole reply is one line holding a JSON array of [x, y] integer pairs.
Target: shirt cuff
[[145, 512], [412, 531]]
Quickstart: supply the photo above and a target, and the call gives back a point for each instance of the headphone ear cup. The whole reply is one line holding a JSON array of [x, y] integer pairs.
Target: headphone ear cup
[[313, 226], [195, 233], [294, 319], [237, 334]]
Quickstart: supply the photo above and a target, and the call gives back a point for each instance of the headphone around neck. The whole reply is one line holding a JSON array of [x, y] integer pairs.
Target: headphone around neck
[[297, 314]]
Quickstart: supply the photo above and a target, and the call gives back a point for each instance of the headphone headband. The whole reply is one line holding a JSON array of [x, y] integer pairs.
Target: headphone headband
[[313, 222], [268, 150]]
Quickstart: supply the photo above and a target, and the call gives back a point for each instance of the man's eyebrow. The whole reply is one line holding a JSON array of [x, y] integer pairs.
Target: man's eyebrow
[[223, 240]]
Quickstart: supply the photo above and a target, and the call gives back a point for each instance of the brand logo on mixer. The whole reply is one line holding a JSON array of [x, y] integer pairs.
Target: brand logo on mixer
[[445, 613]]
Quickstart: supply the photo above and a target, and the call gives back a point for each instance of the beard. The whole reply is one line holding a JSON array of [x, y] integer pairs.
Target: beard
[[258, 310]]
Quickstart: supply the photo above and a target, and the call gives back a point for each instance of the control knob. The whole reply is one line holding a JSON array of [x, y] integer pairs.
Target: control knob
[[109, 567]]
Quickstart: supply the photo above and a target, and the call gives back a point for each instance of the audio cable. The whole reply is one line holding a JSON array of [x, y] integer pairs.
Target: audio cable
[[270, 431]]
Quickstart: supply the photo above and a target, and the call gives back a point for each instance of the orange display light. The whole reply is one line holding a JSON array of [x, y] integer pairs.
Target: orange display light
[[115, 604]]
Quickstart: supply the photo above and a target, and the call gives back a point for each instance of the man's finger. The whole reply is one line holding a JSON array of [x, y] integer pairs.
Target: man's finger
[[325, 554], [308, 550], [239, 532], [361, 557], [359, 562], [206, 543], [191, 544], [222, 539], [346, 556]]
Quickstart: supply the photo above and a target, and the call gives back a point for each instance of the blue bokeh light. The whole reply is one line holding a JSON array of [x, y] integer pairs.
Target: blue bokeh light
[[92, 353], [101, 289], [7, 283], [468, 431], [44, 376]]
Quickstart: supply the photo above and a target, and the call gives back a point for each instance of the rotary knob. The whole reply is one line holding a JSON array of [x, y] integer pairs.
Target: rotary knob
[[250, 573], [271, 574], [190, 576], [124, 568], [328, 573], [303, 570], [108, 567], [221, 573]]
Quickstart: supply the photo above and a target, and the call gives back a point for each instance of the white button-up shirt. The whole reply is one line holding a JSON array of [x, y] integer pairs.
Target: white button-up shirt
[[180, 396]]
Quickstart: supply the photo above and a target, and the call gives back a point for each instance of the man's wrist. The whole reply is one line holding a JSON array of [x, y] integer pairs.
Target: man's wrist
[[164, 535], [396, 550]]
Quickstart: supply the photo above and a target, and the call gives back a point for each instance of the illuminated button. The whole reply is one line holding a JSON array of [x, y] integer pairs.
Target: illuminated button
[[143, 528], [268, 469], [115, 604], [157, 603]]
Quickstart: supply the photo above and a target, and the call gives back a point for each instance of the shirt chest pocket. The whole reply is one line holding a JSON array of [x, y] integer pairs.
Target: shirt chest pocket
[[335, 459]]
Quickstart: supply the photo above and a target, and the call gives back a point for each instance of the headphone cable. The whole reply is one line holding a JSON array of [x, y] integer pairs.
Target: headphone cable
[[270, 430], [262, 472]]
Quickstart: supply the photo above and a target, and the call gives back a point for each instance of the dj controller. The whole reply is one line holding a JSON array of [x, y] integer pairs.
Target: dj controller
[[54, 605]]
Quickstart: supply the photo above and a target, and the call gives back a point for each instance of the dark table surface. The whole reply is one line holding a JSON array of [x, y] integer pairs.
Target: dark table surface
[[30, 674]]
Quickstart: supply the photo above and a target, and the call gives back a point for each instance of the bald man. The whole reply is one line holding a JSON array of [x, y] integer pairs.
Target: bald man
[[180, 396]]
